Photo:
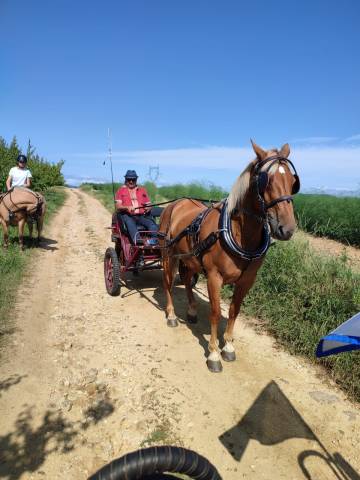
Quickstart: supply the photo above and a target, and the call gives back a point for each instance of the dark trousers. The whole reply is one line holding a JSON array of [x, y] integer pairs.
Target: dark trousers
[[132, 221]]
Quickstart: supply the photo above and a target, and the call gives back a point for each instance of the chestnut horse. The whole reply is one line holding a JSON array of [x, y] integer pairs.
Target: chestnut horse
[[228, 241], [18, 206]]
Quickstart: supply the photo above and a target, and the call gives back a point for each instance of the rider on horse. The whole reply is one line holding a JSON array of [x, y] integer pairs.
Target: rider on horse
[[131, 203], [19, 176]]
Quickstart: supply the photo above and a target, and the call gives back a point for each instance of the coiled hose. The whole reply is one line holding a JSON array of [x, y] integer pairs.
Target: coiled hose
[[143, 464]]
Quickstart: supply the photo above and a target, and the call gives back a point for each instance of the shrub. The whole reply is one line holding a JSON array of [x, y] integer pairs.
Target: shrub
[[45, 174]]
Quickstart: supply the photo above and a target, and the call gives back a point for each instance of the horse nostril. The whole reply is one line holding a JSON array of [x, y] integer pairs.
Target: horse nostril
[[284, 233]]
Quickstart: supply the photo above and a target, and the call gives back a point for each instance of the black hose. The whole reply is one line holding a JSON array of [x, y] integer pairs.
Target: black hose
[[142, 463]]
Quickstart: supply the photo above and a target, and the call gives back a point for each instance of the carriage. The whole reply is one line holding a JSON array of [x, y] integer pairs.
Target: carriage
[[136, 257]]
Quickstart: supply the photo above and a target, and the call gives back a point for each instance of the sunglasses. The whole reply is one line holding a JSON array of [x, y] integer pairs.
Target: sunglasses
[[131, 179], [21, 161]]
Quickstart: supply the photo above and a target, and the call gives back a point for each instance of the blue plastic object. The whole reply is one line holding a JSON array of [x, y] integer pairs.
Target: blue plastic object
[[343, 339]]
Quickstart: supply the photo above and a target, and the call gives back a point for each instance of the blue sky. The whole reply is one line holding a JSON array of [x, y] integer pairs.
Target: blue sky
[[184, 84]]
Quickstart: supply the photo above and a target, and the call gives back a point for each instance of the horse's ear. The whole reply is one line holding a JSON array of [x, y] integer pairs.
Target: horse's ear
[[260, 153], [285, 151]]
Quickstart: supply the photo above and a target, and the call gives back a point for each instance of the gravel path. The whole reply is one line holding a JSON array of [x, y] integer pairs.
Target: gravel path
[[87, 377]]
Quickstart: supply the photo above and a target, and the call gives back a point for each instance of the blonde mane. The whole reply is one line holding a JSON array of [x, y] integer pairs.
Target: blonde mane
[[242, 183], [240, 188]]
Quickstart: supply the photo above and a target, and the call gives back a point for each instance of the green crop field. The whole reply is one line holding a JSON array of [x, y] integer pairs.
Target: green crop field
[[328, 216]]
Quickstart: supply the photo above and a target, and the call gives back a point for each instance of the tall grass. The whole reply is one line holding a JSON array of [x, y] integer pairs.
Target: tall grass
[[329, 216], [302, 296], [13, 261]]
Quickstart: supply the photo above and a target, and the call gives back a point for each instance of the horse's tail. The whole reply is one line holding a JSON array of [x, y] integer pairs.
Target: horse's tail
[[41, 215]]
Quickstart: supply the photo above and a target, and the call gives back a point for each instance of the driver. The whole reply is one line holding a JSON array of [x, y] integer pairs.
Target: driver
[[131, 202]]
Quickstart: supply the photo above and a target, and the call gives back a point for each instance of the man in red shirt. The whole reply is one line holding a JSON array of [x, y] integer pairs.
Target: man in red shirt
[[131, 201]]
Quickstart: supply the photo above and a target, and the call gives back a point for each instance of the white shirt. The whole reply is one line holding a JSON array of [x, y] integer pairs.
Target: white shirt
[[19, 176]]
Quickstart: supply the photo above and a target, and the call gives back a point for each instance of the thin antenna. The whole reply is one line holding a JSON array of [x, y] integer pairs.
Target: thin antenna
[[111, 167]]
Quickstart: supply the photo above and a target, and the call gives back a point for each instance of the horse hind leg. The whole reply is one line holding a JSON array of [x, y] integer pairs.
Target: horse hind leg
[[30, 227], [192, 307], [170, 267], [5, 232], [21, 227]]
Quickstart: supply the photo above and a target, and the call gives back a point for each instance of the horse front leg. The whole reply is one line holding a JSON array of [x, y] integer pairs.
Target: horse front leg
[[21, 227], [241, 289], [169, 272], [214, 284], [5, 232]]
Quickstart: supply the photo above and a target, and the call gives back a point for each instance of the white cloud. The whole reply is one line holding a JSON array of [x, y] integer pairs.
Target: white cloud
[[314, 140], [353, 138], [318, 165]]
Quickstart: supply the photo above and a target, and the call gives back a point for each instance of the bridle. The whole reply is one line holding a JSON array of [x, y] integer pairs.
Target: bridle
[[261, 180]]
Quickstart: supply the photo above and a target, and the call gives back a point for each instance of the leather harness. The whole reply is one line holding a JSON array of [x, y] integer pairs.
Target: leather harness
[[224, 232], [34, 213]]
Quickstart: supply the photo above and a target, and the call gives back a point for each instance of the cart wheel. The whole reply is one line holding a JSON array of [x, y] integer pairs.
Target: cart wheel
[[182, 272], [112, 272]]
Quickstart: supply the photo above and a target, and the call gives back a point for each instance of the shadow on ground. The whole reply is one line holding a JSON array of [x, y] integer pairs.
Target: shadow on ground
[[149, 286], [272, 419], [45, 243], [26, 448], [9, 382]]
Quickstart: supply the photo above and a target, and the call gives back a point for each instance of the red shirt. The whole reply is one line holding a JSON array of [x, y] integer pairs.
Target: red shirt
[[124, 195]]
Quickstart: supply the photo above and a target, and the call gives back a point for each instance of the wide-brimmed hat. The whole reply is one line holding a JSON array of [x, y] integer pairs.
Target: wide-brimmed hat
[[131, 174]]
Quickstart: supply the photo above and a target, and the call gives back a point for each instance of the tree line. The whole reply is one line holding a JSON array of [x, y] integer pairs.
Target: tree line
[[45, 174]]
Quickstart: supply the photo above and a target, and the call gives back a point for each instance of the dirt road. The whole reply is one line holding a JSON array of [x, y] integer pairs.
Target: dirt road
[[87, 377]]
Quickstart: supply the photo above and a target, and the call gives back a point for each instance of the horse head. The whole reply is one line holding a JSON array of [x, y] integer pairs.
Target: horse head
[[275, 181]]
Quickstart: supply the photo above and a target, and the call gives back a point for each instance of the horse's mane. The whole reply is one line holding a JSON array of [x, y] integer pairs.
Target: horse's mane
[[240, 188], [242, 184]]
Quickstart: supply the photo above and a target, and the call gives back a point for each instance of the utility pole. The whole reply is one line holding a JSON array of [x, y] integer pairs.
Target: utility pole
[[154, 173], [110, 160]]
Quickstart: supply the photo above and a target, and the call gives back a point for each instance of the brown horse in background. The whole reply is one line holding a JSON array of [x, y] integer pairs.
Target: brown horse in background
[[230, 239], [18, 206]]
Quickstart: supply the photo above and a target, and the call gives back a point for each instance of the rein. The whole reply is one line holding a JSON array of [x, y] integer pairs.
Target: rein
[[206, 200]]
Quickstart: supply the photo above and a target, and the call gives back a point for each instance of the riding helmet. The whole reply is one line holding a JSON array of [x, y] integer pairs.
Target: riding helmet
[[21, 158]]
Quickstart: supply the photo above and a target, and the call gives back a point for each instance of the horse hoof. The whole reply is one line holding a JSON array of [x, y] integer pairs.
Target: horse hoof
[[191, 318], [214, 366], [228, 356], [172, 322]]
